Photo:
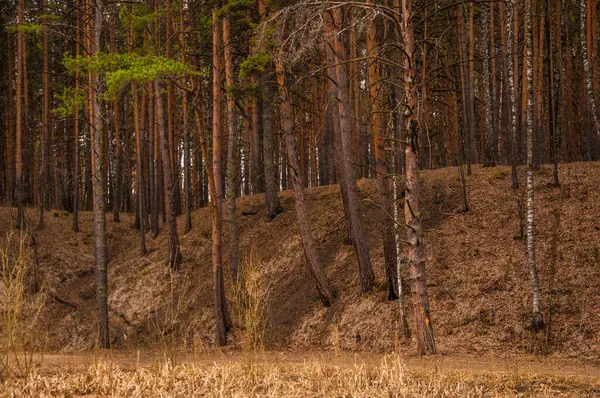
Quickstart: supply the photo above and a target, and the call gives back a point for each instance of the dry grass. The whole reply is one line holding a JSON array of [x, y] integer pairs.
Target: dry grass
[[250, 300], [21, 303], [390, 378]]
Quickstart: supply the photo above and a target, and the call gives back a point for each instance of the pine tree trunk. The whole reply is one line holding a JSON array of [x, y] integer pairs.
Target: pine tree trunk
[[76, 154], [256, 172], [45, 125], [98, 190], [232, 151], [385, 200], [272, 206], [186, 132], [345, 141], [412, 214], [10, 134], [19, 124], [467, 88], [587, 56], [139, 170], [324, 287], [221, 317], [174, 258]]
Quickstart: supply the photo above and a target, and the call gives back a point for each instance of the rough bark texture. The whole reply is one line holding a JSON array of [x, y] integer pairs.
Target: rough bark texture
[[19, 124], [383, 186], [345, 140], [232, 151], [98, 193], [272, 206], [216, 189], [174, 251], [536, 322], [414, 228], [324, 287], [139, 171]]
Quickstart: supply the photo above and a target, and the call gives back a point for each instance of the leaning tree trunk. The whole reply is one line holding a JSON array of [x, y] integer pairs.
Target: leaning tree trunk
[[345, 143], [324, 287], [174, 250], [412, 214], [537, 322], [98, 191]]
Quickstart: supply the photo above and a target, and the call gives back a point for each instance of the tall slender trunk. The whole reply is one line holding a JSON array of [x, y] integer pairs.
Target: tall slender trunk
[[513, 81], [19, 124], [324, 287], [385, 200], [154, 170], [10, 138], [536, 323], [116, 206], [174, 251], [333, 23], [221, 317], [553, 144], [412, 214], [468, 93], [587, 57], [272, 205], [76, 154], [333, 118], [232, 151], [187, 183], [98, 189], [139, 169], [256, 172], [493, 94], [45, 126]]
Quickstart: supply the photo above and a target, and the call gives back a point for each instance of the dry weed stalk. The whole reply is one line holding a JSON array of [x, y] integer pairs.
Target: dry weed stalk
[[20, 309], [251, 299], [166, 318]]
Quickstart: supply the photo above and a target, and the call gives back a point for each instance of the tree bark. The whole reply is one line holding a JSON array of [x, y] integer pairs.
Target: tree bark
[[324, 287], [187, 183], [272, 206], [45, 126], [467, 88], [381, 167], [19, 124], [216, 186], [98, 190], [76, 154], [412, 214], [174, 258], [139, 170], [345, 140], [536, 322]]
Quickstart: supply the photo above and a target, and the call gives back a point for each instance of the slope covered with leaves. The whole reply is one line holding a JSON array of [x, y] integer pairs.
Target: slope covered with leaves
[[477, 275]]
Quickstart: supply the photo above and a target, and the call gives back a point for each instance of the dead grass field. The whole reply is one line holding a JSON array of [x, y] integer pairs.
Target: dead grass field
[[294, 375]]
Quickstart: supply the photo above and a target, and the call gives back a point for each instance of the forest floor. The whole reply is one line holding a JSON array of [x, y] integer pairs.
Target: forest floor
[[476, 267]]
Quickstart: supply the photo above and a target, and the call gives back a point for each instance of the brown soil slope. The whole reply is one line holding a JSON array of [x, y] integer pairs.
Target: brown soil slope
[[477, 275]]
